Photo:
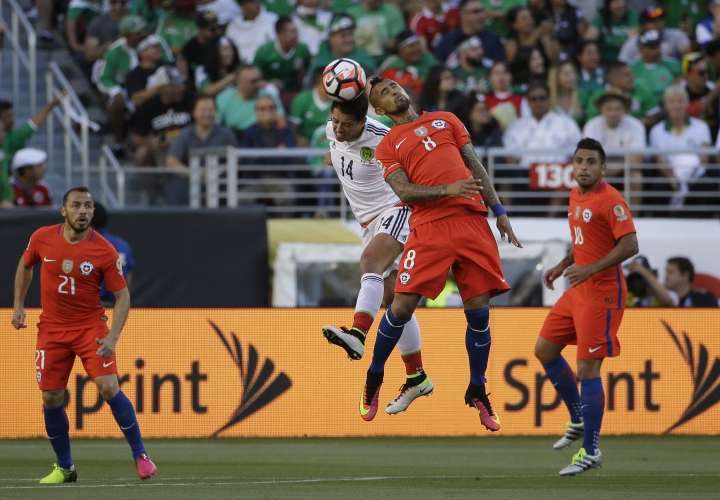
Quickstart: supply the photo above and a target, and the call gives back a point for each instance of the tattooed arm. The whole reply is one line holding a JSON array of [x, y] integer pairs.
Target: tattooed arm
[[414, 193]]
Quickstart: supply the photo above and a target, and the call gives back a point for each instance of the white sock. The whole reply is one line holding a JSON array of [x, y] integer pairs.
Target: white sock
[[369, 299], [410, 339]]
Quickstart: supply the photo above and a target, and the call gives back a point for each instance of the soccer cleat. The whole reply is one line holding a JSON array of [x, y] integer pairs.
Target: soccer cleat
[[582, 462], [476, 397], [352, 340], [58, 475], [573, 432], [146, 468], [409, 392], [369, 399]]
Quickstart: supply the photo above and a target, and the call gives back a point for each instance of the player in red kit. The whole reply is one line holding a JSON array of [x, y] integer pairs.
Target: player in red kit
[[422, 156], [590, 311], [75, 260]]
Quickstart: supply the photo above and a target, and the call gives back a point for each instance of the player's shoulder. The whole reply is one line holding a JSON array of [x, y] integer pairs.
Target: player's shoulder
[[376, 126], [101, 243], [610, 195], [46, 233]]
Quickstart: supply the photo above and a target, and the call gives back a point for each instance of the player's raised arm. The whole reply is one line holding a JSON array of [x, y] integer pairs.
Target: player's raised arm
[[23, 278], [414, 193], [624, 248]]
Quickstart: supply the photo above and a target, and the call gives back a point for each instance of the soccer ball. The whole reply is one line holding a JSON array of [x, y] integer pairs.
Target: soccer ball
[[344, 80]]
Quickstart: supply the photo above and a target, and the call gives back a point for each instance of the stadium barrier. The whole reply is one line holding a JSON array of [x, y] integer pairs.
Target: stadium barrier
[[269, 373]]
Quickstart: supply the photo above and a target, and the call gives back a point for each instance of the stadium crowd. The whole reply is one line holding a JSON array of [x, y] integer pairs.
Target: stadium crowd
[[179, 74]]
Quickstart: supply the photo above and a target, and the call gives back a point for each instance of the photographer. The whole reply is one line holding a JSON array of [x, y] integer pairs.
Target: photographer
[[677, 290]]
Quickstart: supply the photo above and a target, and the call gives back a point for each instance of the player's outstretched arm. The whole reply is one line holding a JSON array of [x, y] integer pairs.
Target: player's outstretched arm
[[23, 278], [626, 247], [414, 193], [120, 315]]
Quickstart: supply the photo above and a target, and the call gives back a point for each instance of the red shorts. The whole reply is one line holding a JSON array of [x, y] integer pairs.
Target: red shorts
[[464, 244], [56, 351], [590, 325]]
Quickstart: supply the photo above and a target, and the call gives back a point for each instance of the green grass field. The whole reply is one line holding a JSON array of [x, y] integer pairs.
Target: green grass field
[[522, 468]]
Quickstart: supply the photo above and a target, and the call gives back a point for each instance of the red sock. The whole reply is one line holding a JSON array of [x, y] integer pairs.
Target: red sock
[[362, 321], [413, 363]]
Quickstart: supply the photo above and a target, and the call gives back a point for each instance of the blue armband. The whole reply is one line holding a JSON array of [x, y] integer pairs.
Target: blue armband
[[498, 209]]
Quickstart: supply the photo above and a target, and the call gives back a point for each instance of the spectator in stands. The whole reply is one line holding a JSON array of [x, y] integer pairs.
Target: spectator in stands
[[377, 24], [703, 95], [673, 42], [79, 15], [526, 37], [204, 132], [99, 222], [285, 60], [436, 18], [677, 290], [178, 26], [158, 121], [564, 94], [619, 79], [680, 131], [29, 166], [543, 129], [484, 129], [504, 104], [149, 54], [253, 28], [225, 10], [202, 55], [237, 104], [341, 43], [412, 64], [309, 110], [652, 75], [472, 23], [228, 64], [538, 66], [46, 18], [440, 91], [15, 139], [615, 24], [473, 67], [569, 27], [709, 28], [712, 52], [312, 22], [268, 131], [117, 62], [103, 30], [592, 76]]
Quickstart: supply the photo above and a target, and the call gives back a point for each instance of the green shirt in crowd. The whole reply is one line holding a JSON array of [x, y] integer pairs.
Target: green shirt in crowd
[[678, 10], [422, 67], [308, 112], [375, 28], [651, 80], [498, 26], [286, 67], [238, 113], [324, 56], [119, 59], [279, 7], [614, 34], [14, 141], [318, 139], [469, 80], [176, 30]]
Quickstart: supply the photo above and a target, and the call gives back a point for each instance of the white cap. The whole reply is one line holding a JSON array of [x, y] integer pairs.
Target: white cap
[[28, 157]]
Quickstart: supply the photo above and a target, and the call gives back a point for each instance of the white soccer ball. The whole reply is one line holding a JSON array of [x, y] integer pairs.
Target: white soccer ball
[[344, 80]]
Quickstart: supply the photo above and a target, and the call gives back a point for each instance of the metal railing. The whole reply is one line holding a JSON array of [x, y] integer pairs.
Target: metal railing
[[23, 46], [111, 197]]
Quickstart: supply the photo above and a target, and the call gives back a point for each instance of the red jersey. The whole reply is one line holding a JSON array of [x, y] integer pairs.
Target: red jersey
[[432, 26], [37, 196], [493, 100], [428, 150], [597, 220], [71, 275]]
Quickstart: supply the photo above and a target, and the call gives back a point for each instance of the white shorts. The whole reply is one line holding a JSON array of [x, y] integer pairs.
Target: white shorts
[[394, 221]]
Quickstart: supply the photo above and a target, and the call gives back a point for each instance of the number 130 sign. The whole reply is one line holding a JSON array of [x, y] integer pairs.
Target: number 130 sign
[[553, 176]]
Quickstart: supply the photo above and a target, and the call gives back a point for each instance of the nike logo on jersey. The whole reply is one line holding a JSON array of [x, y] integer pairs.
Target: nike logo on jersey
[[105, 365], [45, 259], [594, 349], [397, 146]]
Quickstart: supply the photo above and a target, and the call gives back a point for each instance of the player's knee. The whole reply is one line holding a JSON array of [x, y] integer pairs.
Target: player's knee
[[588, 369], [108, 389], [401, 310], [543, 354], [479, 320], [369, 263], [53, 399]]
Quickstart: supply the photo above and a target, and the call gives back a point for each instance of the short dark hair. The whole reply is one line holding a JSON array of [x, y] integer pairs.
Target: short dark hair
[[5, 105], [713, 47], [614, 67], [358, 107], [200, 98], [77, 189], [585, 44], [591, 144], [684, 265], [100, 216], [281, 22], [538, 84]]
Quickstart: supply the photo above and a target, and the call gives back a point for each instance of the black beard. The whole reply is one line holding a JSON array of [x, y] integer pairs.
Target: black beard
[[403, 106]]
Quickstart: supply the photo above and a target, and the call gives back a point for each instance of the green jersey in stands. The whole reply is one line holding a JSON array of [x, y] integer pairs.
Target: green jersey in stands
[[308, 112], [84, 10], [497, 24], [319, 140], [651, 80], [176, 30], [274, 64], [110, 74], [324, 57], [376, 28], [410, 76], [279, 7], [614, 33], [13, 142], [677, 11], [238, 113]]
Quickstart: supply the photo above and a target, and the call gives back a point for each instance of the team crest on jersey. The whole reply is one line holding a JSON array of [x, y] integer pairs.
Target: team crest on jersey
[[67, 266], [619, 212], [439, 124], [587, 215], [421, 132], [366, 154], [86, 268], [404, 278]]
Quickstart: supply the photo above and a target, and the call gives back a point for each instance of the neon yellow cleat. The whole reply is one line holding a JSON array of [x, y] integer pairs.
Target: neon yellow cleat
[[58, 475]]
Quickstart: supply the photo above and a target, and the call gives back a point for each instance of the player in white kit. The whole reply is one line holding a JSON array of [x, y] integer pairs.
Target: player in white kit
[[384, 219]]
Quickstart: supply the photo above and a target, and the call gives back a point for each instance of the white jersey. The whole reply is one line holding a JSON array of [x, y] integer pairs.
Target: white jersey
[[360, 173]]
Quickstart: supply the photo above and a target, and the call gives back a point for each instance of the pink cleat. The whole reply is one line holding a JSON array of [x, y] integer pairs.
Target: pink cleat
[[476, 397], [145, 467]]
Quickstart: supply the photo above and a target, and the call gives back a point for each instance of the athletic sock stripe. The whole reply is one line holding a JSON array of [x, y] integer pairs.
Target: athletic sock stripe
[[371, 278]]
